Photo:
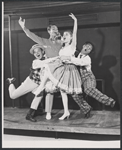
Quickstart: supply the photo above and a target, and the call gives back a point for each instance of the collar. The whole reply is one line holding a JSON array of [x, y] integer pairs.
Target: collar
[[81, 55]]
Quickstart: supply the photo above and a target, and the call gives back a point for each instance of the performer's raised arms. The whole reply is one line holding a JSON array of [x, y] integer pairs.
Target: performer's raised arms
[[74, 35], [21, 22]]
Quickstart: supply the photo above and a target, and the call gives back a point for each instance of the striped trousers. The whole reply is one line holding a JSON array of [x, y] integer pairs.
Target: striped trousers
[[84, 106], [89, 86]]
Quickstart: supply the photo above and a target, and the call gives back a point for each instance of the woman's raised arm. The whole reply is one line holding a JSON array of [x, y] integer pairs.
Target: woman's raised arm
[[74, 36]]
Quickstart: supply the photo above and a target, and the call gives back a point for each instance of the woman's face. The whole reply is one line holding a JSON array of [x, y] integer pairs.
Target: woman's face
[[37, 52], [66, 37]]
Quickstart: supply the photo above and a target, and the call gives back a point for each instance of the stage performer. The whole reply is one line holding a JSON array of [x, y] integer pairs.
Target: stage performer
[[52, 47], [87, 76], [31, 82], [65, 76]]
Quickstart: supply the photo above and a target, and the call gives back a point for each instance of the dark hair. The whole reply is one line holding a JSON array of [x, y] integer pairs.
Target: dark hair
[[77, 52], [69, 31], [50, 26], [93, 49]]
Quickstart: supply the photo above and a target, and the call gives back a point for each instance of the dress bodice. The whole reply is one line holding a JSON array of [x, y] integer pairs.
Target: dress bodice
[[67, 51]]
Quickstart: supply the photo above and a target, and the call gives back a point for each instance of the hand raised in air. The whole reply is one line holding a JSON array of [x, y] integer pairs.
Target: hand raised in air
[[73, 16], [22, 22]]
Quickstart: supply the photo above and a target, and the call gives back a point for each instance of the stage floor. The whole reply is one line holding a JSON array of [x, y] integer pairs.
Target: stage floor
[[100, 122]]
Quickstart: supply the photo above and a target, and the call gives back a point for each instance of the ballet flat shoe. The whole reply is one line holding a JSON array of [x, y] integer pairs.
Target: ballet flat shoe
[[48, 117]]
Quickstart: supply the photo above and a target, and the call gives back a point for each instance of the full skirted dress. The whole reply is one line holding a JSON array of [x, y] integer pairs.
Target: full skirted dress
[[64, 75]]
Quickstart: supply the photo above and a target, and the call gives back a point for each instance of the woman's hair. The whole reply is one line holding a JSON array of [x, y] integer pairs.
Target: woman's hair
[[69, 31]]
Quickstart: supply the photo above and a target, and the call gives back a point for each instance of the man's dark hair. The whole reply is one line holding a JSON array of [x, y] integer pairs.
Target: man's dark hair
[[77, 52], [50, 26]]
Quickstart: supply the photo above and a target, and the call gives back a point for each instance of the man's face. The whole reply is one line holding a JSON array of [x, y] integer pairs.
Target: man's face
[[53, 31], [87, 48], [37, 52]]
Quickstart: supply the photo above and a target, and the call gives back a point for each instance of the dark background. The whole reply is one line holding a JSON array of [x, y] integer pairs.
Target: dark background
[[98, 22]]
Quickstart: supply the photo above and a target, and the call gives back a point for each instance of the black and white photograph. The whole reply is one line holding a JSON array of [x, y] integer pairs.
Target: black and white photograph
[[61, 74]]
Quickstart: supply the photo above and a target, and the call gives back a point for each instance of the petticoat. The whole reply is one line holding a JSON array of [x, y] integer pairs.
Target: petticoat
[[65, 76]]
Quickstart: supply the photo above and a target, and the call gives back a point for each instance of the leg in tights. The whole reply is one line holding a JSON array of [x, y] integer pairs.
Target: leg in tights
[[65, 104], [48, 105]]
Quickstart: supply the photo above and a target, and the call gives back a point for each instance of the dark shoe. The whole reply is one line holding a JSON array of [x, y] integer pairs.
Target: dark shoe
[[112, 104], [30, 115], [39, 112], [30, 118], [10, 80], [87, 115]]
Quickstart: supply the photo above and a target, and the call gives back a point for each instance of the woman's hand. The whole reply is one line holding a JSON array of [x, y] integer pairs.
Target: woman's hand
[[21, 22], [74, 35], [65, 58], [73, 16]]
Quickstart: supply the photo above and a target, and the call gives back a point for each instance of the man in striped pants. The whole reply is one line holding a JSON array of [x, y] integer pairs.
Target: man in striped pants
[[87, 77]]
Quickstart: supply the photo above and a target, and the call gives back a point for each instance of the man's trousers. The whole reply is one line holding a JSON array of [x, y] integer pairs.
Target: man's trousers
[[89, 85], [29, 86]]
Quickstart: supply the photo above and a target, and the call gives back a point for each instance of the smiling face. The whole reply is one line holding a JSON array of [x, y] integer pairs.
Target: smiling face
[[37, 52], [67, 37], [52, 30], [86, 49]]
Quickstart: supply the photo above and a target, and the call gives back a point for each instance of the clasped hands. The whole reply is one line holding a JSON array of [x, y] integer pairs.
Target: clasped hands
[[37, 63], [65, 58]]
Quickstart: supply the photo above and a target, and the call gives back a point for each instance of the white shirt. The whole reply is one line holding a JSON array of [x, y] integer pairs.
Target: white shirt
[[85, 60]]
